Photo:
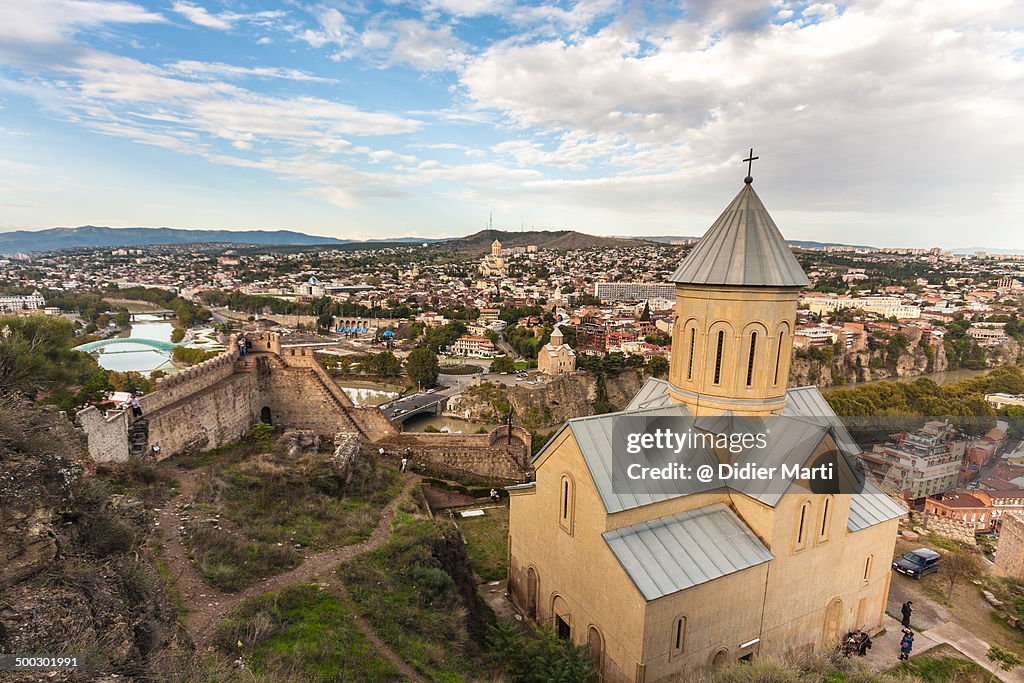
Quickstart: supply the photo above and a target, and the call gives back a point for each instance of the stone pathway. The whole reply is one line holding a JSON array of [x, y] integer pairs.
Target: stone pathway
[[885, 648], [973, 647], [208, 605]]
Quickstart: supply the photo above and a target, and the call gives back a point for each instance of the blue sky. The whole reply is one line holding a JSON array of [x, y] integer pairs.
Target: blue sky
[[881, 122]]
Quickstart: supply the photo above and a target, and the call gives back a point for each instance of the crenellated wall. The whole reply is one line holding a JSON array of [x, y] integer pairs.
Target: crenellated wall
[[217, 402]]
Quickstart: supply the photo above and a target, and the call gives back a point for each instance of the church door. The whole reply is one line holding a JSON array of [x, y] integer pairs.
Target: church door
[[833, 622]]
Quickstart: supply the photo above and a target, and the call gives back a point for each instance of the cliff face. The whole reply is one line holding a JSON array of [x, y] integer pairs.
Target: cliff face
[[76, 575], [562, 398], [865, 366]]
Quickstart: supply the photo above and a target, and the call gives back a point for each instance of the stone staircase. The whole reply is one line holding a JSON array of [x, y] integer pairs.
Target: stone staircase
[[138, 438]]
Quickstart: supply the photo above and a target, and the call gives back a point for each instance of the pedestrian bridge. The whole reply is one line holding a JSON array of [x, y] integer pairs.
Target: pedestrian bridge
[[166, 347]]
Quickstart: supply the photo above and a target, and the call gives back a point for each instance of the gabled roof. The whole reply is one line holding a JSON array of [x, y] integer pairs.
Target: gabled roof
[[870, 507], [742, 247], [673, 553]]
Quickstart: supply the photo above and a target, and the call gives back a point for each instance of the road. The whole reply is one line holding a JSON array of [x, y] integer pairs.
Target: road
[[413, 402]]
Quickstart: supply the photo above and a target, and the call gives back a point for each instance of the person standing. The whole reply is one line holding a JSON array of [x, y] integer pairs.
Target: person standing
[[241, 347], [136, 407], [907, 644], [405, 462], [907, 610]]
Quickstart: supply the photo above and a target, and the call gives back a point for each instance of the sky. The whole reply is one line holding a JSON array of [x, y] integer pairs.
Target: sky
[[882, 122]]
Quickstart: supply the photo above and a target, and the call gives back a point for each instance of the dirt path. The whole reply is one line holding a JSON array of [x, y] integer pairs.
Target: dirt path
[[403, 668], [207, 605]]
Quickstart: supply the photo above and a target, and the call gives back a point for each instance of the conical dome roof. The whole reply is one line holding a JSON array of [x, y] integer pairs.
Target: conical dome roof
[[742, 247]]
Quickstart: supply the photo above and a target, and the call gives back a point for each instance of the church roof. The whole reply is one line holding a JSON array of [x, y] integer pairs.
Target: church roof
[[806, 420], [742, 247], [673, 553]]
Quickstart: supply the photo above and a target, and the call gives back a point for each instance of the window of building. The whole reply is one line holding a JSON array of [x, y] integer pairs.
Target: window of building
[[566, 503], [678, 636], [801, 529], [718, 356], [778, 357], [750, 359], [689, 363], [826, 519], [867, 567]]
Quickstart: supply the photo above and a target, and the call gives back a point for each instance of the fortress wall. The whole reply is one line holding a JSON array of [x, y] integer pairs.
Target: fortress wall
[[297, 398], [106, 435], [197, 378], [305, 358], [209, 418], [1010, 550], [486, 455], [372, 422]]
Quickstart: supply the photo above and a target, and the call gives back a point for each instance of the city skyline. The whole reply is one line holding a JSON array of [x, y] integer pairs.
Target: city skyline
[[876, 123]]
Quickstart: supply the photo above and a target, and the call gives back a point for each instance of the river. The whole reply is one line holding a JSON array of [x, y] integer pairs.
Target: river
[[138, 357], [453, 425], [367, 393]]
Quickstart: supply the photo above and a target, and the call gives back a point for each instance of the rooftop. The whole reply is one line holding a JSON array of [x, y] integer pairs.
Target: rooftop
[[742, 247]]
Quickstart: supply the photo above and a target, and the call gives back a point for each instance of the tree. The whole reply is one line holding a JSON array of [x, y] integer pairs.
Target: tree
[[422, 367], [1004, 659], [503, 364], [959, 564], [177, 334], [123, 318], [658, 366], [540, 657], [36, 355]]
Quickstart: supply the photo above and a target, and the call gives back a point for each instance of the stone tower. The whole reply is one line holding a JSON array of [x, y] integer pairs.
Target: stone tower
[[495, 248], [736, 299]]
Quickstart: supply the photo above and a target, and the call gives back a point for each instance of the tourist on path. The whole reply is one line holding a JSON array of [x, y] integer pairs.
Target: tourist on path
[[136, 408], [907, 644], [405, 461], [241, 347], [907, 611]]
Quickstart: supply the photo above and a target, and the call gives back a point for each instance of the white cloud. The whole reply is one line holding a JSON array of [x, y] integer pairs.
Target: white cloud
[[222, 21], [202, 17], [209, 70]]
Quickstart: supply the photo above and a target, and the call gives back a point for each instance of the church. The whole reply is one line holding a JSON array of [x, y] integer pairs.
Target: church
[[662, 580], [494, 264]]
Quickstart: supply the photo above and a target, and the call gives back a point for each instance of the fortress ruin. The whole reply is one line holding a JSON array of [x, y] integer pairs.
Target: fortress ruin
[[216, 403]]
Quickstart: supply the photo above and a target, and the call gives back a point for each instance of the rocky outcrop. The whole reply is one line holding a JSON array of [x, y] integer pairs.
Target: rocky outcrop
[[562, 398], [296, 441], [76, 572], [865, 366]]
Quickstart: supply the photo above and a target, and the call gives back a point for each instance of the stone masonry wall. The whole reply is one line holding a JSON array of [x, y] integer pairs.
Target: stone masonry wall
[[950, 527], [209, 418], [1010, 551]]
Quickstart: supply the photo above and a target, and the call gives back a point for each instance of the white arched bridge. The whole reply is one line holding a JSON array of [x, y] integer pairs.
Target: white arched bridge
[[164, 346]]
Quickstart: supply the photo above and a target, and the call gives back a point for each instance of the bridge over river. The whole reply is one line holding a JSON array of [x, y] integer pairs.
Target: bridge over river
[[164, 346]]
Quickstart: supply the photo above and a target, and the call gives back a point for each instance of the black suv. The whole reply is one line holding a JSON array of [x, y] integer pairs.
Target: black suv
[[917, 563]]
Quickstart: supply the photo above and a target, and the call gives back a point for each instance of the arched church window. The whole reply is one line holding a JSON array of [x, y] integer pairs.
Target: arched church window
[[826, 519], [778, 356], [750, 360], [566, 504], [678, 636], [689, 363], [801, 529], [718, 356]]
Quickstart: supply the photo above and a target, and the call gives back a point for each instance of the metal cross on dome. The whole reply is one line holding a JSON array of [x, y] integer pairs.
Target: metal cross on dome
[[750, 164]]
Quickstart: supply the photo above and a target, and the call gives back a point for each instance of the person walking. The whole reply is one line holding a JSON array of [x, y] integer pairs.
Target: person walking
[[136, 407], [907, 644], [907, 610], [405, 462]]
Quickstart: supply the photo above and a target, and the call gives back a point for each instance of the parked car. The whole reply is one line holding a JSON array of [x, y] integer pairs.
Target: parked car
[[918, 563]]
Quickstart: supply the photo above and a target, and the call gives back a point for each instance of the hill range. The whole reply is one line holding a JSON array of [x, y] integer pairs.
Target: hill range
[[94, 237]]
